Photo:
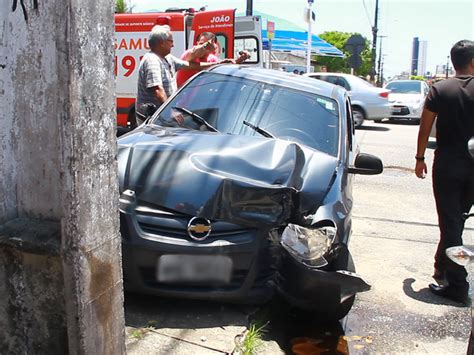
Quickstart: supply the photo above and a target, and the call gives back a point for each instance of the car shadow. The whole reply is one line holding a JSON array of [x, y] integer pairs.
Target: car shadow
[[426, 296], [400, 122], [143, 311], [373, 128], [292, 330], [298, 332]]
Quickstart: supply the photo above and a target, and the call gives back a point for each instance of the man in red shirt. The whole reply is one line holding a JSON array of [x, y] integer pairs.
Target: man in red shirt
[[204, 51]]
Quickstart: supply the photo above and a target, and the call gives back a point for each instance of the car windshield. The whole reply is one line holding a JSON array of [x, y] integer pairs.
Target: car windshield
[[225, 102], [404, 87]]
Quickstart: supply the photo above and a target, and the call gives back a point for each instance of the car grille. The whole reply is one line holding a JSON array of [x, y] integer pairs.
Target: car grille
[[158, 221]]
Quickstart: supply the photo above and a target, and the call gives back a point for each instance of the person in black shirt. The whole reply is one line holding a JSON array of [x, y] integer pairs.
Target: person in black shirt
[[451, 101]]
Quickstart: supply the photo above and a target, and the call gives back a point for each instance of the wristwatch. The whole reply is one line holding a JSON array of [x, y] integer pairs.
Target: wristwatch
[[419, 158]]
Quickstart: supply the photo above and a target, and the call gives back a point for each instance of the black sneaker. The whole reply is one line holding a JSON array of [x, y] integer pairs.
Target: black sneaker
[[459, 295], [440, 277]]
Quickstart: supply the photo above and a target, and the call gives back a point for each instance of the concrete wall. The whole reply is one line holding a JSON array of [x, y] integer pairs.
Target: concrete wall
[[58, 165]]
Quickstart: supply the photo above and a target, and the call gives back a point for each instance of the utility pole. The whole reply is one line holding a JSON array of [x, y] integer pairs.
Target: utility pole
[[249, 11], [379, 79], [310, 36], [374, 40], [447, 67]]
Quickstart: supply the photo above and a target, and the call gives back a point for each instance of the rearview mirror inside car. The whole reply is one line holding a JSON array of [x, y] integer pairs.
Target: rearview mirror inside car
[[366, 164]]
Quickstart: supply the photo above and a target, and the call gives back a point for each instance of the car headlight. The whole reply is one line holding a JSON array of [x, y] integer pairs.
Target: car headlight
[[308, 245]]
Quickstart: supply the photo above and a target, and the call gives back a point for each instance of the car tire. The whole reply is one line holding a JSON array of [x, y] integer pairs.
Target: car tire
[[358, 116]]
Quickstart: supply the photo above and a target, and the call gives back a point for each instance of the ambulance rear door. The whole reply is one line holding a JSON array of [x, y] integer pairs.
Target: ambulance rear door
[[248, 36]]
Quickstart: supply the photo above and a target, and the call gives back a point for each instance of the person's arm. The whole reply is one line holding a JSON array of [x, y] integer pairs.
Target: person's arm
[[426, 123], [244, 55], [197, 51], [159, 93]]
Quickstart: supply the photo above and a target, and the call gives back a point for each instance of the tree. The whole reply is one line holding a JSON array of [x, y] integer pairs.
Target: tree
[[417, 77], [335, 64], [121, 7]]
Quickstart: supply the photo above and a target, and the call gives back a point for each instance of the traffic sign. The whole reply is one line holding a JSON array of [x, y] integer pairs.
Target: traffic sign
[[270, 30]]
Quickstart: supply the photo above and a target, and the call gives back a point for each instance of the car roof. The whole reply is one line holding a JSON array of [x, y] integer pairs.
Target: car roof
[[354, 80], [290, 80]]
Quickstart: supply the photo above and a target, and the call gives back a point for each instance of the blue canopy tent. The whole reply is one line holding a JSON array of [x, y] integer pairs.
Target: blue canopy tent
[[298, 41]]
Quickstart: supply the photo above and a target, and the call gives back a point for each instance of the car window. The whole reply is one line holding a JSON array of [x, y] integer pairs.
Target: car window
[[225, 102], [334, 79], [250, 44], [404, 87]]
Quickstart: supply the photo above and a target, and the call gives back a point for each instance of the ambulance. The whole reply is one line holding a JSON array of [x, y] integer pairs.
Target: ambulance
[[234, 33]]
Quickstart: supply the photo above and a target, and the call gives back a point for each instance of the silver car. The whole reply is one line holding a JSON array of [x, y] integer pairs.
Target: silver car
[[368, 102], [407, 98]]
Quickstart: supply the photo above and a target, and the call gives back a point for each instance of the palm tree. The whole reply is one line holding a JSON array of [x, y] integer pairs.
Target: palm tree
[[121, 7]]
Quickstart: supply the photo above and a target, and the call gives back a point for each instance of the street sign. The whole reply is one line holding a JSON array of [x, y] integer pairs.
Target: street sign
[[308, 14], [355, 45], [270, 30]]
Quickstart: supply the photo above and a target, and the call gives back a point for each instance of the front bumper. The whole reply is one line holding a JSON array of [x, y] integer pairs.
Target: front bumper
[[259, 264], [405, 112], [317, 290], [251, 279]]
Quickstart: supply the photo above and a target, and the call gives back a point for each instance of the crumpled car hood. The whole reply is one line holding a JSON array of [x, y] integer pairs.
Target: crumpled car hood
[[251, 181]]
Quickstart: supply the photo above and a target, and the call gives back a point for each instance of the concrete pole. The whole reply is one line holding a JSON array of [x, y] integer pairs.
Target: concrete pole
[[374, 42], [58, 168], [310, 37]]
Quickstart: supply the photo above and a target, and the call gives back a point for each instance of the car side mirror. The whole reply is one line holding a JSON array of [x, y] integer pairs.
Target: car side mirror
[[366, 164], [470, 146]]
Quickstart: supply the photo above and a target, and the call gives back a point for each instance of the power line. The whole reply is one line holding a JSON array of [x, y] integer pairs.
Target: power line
[[367, 13]]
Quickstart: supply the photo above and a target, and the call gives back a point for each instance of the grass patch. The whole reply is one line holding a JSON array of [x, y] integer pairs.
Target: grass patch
[[253, 339], [139, 333]]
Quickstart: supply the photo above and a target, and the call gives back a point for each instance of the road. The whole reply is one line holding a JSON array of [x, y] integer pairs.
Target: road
[[393, 242], [394, 239]]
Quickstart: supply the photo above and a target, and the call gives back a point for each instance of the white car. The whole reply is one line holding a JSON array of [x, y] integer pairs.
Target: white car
[[407, 98], [368, 102]]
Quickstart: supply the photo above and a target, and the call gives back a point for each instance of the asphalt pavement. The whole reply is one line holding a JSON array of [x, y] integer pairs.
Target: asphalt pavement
[[393, 242]]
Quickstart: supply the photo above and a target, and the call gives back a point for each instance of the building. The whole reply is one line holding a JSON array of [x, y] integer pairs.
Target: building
[[422, 52], [414, 56]]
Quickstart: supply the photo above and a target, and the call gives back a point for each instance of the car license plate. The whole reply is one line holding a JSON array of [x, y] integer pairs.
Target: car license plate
[[396, 109], [194, 268]]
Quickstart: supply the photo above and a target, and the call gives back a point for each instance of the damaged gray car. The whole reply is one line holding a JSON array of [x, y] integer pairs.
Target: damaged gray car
[[240, 186]]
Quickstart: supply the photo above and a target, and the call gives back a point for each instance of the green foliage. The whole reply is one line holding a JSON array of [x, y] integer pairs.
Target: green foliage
[[338, 40], [253, 339], [417, 77], [121, 7]]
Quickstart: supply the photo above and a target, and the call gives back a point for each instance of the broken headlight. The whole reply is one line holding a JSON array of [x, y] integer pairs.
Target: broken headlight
[[308, 245]]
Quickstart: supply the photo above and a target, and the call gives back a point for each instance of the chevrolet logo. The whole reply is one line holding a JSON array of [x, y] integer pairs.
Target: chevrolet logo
[[199, 228]]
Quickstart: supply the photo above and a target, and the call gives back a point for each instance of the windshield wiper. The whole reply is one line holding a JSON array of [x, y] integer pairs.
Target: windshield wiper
[[196, 117], [259, 130]]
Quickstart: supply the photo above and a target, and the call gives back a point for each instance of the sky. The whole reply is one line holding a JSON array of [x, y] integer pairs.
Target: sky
[[439, 22]]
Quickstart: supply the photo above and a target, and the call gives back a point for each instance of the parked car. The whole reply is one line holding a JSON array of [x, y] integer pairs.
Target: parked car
[[240, 186], [368, 102], [407, 98]]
